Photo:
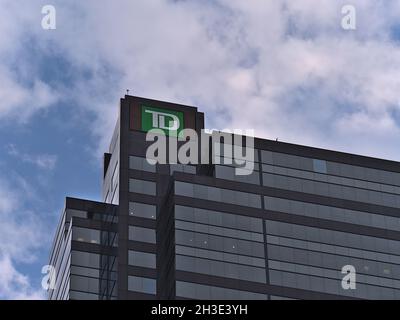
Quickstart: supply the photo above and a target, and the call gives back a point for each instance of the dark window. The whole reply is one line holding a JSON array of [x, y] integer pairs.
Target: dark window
[[142, 234], [142, 186], [139, 284], [200, 291], [139, 163], [217, 194], [142, 259], [142, 210], [85, 259], [221, 269], [86, 235], [182, 168]]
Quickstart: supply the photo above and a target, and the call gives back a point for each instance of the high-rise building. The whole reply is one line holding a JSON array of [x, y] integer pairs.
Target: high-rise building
[[305, 223]]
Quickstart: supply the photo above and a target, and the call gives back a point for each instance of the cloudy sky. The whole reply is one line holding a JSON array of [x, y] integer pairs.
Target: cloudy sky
[[286, 69]]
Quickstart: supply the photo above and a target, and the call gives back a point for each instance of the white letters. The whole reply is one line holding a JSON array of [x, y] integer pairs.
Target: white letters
[[349, 280], [233, 151], [159, 120], [49, 20], [156, 152], [49, 280], [349, 21]]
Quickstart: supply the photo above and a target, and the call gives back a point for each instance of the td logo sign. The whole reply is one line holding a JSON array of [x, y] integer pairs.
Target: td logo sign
[[171, 122]]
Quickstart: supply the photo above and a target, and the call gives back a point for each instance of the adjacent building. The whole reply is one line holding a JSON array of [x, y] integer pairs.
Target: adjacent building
[[200, 231]]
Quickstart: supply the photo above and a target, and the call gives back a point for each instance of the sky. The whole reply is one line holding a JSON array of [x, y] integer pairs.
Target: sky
[[287, 69]]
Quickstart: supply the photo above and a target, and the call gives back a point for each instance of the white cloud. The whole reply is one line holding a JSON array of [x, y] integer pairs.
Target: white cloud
[[15, 285], [22, 92], [21, 102], [22, 234], [42, 161], [20, 227], [8, 200], [292, 82], [298, 73]]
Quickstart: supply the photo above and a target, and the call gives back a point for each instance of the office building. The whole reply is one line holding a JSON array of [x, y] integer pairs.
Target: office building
[[200, 231]]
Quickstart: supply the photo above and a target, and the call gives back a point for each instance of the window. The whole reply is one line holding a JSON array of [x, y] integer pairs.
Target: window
[[139, 163], [220, 256], [220, 269], [142, 186], [142, 234], [77, 295], [200, 291], [142, 259], [319, 166], [182, 168], [85, 284], [139, 284], [329, 282], [217, 194], [86, 272], [217, 218], [142, 210], [330, 189], [333, 237], [280, 298], [218, 243], [310, 258], [76, 213], [226, 232], [280, 161], [86, 235], [85, 259], [229, 173], [233, 154], [331, 213]]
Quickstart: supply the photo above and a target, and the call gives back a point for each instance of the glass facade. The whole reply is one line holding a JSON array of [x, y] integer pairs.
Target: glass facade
[[331, 179], [319, 166], [329, 189], [217, 194], [86, 235], [332, 213], [219, 244], [142, 210], [141, 164], [81, 272], [229, 173], [312, 259], [332, 168], [206, 292], [142, 186], [182, 168], [142, 234], [142, 259], [141, 284], [293, 255]]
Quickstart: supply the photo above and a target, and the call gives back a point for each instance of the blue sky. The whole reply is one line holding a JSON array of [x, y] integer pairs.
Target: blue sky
[[286, 69]]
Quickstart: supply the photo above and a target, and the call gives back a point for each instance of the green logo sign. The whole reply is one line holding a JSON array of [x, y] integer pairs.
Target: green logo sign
[[171, 122]]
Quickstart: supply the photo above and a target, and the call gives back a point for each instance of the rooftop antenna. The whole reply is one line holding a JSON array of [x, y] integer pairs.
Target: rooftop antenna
[[127, 92]]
